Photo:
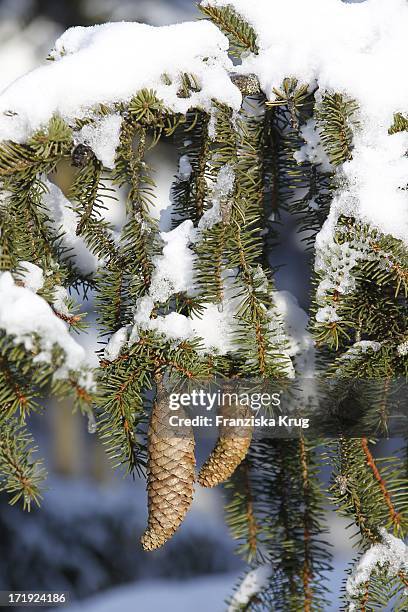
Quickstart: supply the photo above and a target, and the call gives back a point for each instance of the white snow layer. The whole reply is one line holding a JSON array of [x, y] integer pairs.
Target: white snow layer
[[185, 168], [63, 217], [299, 339], [327, 314], [60, 300], [355, 49], [391, 554], [336, 263], [174, 268], [202, 594], [222, 189], [115, 344], [217, 324], [174, 273], [402, 349], [28, 318], [255, 580], [110, 63], [102, 137], [31, 276], [312, 150], [363, 346]]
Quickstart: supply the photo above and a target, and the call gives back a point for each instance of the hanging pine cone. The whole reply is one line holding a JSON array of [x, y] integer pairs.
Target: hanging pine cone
[[171, 474], [229, 451]]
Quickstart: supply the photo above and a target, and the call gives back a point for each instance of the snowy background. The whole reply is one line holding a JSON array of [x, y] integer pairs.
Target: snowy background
[[85, 538]]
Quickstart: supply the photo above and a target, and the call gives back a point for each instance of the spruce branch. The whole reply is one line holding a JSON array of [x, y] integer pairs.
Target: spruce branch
[[400, 124], [395, 516], [189, 192], [271, 150], [307, 563], [337, 120], [241, 511], [21, 475], [241, 35]]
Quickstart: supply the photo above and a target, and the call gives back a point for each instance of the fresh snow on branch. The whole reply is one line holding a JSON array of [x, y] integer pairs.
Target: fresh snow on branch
[[222, 189], [174, 267], [60, 301], [355, 50], [116, 343], [254, 582], [31, 276], [103, 138], [110, 63], [299, 340], [362, 347], [391, 554], [313, 150], [30, 320], [63, 217], [174, 273], [336, 263], [217, 325]]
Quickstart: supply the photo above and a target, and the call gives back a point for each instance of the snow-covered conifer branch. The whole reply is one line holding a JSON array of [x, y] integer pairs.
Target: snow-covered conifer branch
[[311, 121]]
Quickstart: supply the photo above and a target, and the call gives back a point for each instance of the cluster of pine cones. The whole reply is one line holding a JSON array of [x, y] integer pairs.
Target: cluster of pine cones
[[171, 470]]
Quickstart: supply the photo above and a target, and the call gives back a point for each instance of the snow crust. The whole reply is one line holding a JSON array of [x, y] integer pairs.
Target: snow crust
[[110, 63], [354, 49], [27, 316]]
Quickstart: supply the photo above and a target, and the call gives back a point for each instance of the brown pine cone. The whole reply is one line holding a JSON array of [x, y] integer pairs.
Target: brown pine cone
[[230, 449], [171, 474]]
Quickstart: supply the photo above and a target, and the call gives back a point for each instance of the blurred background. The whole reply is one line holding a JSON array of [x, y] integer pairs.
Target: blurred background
[[85, 537]]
